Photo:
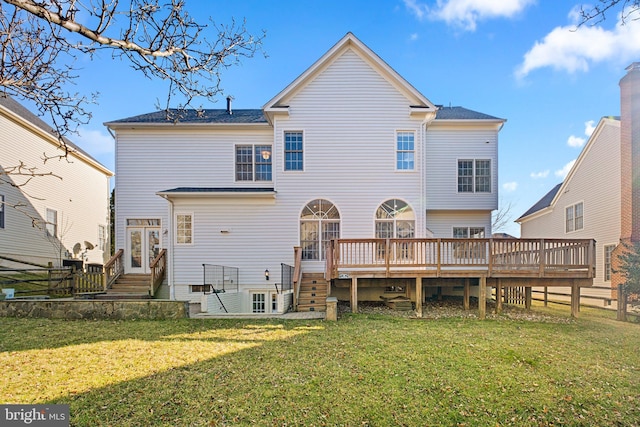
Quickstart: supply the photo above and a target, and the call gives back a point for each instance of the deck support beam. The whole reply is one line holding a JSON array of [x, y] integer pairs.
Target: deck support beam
[[465, 296], [527, 297], [354, 294], [575, 300], [418, 296], [482, 298], [499, 297]]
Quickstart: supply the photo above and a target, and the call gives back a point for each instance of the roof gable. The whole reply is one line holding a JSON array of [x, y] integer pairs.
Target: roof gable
[[551, 198], [13, 109], [349, 43]]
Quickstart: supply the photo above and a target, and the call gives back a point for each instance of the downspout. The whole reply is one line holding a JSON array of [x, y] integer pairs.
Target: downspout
[[172, 291], [429, 117]]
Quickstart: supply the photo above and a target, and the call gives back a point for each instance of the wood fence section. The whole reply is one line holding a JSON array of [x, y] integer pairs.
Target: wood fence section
[[532, 258]]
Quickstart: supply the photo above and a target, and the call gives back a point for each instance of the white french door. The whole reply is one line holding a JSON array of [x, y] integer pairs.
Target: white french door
[[143, 244]]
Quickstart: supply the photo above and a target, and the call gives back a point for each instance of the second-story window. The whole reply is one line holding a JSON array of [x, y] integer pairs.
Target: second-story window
[[1, 210], [293, 151], [253, 163], [405, 151], [52, 223], [574, 217], [474, 176]]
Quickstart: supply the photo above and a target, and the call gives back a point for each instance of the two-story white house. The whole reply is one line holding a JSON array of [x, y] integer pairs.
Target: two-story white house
[[349, 149], [49, 210], [600, 197]]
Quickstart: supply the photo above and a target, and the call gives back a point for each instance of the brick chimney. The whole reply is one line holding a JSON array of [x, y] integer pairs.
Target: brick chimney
[[630, 153]]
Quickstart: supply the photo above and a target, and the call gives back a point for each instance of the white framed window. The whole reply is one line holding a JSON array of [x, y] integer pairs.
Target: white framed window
[[574, 217], [293, 151], [51, 227], [274, 303], [468, 232], [258, 302], [474, 176], [395, 219], [2, 210], [405, 151], [319, 223], [608, 252], [253, 163], [184, 229], [102, 238]]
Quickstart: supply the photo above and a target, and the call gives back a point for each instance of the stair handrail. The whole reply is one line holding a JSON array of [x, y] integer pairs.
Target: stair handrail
[[113, 269], [158, 267], [297, 275]]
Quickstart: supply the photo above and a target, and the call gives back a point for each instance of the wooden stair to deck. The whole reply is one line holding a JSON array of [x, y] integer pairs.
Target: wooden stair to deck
[[129, 286], [313, 292]]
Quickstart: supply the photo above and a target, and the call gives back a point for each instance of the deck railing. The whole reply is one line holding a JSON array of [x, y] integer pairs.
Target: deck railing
[[158, 267], [490, 257], [113, 269]]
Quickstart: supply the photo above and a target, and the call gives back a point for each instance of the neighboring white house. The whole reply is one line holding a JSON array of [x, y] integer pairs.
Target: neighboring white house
[[594, 201], [349, 149], [61, 212]]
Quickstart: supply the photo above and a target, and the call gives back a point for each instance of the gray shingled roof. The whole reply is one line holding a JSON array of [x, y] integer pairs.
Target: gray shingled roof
[[197, 116], [545, 202], [221, 116], [461, 113], [15, 107]]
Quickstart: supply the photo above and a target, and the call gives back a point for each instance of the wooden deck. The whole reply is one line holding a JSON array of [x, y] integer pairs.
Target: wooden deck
[[498, 263], [491, 258]]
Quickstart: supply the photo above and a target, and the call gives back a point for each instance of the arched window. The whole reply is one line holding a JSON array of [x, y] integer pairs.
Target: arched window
[[319, 223], [395, 219]]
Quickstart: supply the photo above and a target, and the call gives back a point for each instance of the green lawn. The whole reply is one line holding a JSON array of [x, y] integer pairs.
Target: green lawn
[[364, 370]]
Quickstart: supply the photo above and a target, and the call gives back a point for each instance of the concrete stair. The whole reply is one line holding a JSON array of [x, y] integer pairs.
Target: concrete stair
[[129, 286], [313, 292]]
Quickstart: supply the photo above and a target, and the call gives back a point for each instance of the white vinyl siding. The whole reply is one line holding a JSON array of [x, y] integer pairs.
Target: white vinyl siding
[[447, 145], [442, 223], [344, 122]]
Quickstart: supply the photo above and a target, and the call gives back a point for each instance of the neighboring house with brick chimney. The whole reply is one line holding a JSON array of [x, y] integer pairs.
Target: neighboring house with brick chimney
[[600, 197], [49, 210]]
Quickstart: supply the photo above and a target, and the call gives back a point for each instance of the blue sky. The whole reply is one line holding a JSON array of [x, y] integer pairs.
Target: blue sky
[[522, 60]]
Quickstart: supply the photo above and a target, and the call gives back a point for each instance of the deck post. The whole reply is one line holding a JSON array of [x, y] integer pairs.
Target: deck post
[[418, 296], [482, 298], [499, 296], [527, 297], [354, 294], [465, 295], [575, 300], [546, 296]]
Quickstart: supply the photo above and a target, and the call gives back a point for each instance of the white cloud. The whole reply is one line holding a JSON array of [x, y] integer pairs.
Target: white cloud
[[465, 14], [413, 37], [538, 175], [578, 142], [574, 49], [419, 10], [589, 127], [575, 141], [510, 186], [562, 173]]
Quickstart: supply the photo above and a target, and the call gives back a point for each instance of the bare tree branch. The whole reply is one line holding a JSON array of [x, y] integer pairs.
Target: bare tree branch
[[596, 14], [40, 41]]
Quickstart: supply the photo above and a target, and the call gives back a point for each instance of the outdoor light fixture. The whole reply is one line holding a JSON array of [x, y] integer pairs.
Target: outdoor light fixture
[[266, 275]]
